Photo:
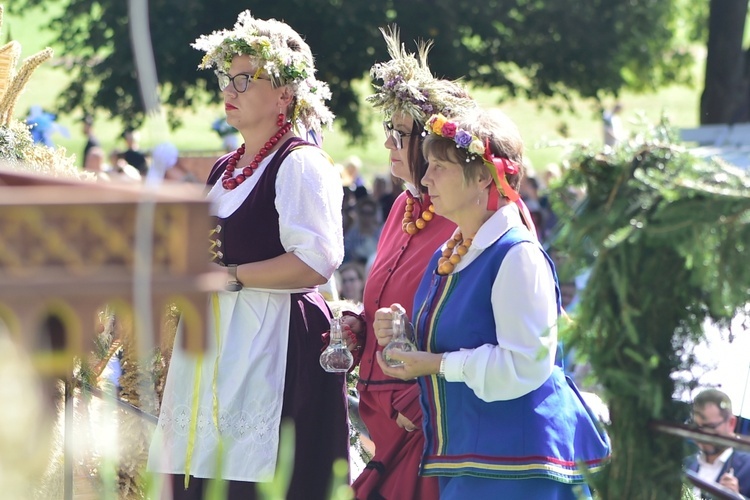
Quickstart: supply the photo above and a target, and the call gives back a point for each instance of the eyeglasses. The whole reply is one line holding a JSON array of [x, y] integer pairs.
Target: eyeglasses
[[708, 427], [240, 81], [395, 135]]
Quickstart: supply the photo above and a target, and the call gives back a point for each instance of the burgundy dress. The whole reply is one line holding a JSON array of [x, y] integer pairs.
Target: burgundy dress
[[315, 401], [401, 259]]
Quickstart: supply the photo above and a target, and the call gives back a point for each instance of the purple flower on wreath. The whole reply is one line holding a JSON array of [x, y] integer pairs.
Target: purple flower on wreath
[[462, 138], [427, 108], [393, 82]]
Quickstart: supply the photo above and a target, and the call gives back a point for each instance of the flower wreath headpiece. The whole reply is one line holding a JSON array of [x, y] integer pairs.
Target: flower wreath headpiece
[[267, 44], [408, 85], [498, 167]]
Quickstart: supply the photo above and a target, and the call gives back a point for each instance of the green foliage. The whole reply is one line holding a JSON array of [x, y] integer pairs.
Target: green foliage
[[531, 48], [666, 237], [15, 141]]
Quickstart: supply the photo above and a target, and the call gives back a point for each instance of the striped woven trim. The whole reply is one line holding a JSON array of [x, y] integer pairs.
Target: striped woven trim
[[435, 384], [511, 467]]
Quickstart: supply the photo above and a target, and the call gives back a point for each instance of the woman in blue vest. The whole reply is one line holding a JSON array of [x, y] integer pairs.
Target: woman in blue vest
[[500, 418]]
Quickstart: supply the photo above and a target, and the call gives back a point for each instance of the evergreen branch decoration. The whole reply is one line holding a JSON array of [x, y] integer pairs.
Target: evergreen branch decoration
[[667, 239]]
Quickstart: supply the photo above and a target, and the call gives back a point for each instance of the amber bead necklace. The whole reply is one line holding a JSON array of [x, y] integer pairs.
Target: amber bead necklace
[[454, 250], [409, 225]]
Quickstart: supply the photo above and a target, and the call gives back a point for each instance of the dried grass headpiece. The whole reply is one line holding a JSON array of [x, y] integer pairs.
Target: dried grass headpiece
[[409, 86]]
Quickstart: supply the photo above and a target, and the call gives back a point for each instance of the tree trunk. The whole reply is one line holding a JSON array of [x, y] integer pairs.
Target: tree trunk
[[725, 95]]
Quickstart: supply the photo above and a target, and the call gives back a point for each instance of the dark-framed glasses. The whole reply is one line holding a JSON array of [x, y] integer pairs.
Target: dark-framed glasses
[[240, 81], [708, 426], [396, 136]]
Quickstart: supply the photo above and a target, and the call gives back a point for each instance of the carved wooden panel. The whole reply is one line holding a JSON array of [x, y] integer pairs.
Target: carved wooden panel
[[67, 248]]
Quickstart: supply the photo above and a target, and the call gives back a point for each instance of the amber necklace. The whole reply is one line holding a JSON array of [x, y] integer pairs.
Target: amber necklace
[[409, 225], [455, 248]]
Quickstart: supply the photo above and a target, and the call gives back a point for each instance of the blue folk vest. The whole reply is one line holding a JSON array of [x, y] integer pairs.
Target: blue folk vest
[[543, 434]]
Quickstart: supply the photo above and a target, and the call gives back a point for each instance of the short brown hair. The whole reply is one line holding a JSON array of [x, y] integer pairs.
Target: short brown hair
[[493, 126], [715, 397]]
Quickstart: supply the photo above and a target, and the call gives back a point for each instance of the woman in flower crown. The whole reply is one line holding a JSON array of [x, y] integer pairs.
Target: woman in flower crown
[[501, 420], [277, 235], [390, 409]]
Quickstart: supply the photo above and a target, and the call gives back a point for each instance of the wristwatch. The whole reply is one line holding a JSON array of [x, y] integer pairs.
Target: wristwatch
[[233, 284], [441, 370]]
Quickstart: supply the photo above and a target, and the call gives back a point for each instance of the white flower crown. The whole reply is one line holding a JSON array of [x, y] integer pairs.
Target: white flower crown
[[267, 42]]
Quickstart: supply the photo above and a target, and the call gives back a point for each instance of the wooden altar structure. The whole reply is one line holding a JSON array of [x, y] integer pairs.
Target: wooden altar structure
[[68, 248]]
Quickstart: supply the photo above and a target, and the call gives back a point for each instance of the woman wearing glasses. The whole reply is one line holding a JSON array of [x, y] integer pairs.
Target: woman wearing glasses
[[390, 408], [277, 205]]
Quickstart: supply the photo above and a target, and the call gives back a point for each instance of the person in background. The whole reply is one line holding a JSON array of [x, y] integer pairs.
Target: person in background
[[613, 132], [118, 171], [380, 191], [407, 93], [132, 155], [276, 203], [352, 281], [42, 125], [712, 412], [386, 201], [179, 173], [352, 171], [229, 138], [379, 187], [529, 191], [91, 140], [501, 419], [361, 239], [551, 175]]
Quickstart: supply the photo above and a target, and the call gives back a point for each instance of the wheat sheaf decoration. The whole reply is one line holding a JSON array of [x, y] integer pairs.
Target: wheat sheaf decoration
[[12, 82], [17, 149]]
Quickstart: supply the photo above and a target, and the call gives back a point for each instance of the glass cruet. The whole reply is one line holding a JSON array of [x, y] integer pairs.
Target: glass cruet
[[336, 358], [399, 342]]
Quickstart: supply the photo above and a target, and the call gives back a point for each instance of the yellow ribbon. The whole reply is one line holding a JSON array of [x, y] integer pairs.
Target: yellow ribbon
[[196, 393]]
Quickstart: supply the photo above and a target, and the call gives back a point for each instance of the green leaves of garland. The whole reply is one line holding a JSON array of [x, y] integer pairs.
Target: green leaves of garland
[[667, 239]]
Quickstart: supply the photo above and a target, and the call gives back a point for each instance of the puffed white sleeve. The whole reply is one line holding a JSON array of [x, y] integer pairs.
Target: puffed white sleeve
[[525, 311], [308, 199]]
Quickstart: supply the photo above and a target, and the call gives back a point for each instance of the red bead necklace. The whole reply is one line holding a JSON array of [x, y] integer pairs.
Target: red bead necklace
[[229, 181]]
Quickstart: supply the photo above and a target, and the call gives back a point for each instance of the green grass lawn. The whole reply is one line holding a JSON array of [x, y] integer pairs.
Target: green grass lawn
[[547, 133]]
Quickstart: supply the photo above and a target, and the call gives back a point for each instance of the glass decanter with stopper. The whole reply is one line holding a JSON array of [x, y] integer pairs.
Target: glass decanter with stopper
[[336, 358], [400, 341]]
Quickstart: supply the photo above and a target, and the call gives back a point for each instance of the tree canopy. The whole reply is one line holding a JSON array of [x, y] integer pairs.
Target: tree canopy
[[527, 47]]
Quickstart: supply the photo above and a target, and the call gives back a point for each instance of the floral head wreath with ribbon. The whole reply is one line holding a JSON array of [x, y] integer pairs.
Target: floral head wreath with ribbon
[[498, 167], [278, 51], [408, 85]]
